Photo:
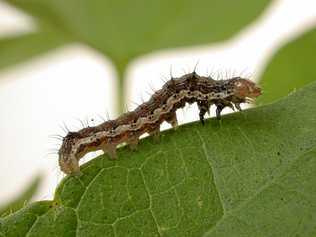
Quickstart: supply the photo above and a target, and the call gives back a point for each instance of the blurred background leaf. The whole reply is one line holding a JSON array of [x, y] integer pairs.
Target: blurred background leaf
[[292, 67], [17, 49], [123, 30], [23, 198]]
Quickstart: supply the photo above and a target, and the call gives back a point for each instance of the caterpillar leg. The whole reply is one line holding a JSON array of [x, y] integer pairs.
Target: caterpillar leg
[[237, 102], [221, 105], [70, 166], [237, 105], [133, 144], [156, 134], [172, 120], [201, 115], [219, 108], [204, 108], [111, 151]]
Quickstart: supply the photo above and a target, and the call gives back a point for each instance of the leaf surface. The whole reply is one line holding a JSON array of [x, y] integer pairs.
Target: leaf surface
[[252, 175]]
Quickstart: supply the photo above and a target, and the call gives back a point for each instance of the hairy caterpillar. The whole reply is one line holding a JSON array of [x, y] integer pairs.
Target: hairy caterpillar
[[147, 117]]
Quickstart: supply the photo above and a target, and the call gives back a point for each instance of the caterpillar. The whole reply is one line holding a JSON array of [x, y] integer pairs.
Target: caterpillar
[[147, 117]]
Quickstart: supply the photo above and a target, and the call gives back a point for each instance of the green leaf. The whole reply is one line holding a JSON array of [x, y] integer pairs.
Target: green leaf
[[292, 67], [123, 30], [22, 199], [254, 174]]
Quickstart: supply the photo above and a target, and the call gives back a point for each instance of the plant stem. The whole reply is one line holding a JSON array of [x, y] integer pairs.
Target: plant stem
[[121, 82]]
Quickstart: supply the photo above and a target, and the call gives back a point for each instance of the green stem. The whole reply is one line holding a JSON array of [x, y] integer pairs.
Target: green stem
[[121, 82]]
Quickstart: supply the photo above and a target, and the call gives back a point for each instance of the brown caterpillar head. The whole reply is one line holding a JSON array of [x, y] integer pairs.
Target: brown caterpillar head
[[67, 154], [245, 88]]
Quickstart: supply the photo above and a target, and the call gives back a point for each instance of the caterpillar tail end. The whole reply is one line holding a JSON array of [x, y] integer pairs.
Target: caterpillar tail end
[[69, 165]]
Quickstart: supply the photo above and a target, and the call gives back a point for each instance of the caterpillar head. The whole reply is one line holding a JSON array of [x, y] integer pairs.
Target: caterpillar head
[[244, 88], [68, 161]]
